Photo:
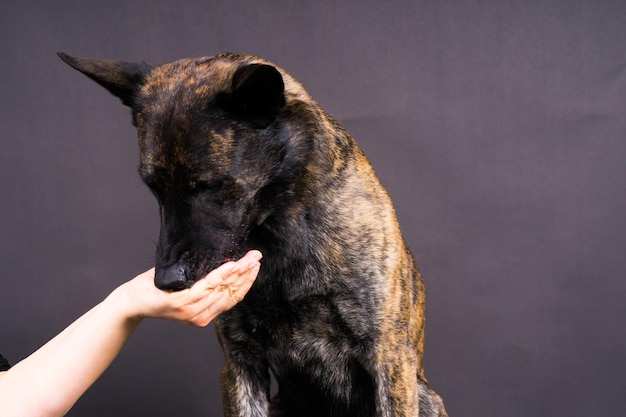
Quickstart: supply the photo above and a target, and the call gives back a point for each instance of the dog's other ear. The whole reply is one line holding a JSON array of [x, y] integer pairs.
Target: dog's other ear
[[122, 79], [258, 94]]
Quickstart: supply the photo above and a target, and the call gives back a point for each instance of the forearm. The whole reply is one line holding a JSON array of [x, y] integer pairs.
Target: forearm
[[51, 380]]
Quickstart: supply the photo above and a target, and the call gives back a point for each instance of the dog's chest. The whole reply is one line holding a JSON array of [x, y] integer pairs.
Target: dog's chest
[[318, 361], [310, 334]]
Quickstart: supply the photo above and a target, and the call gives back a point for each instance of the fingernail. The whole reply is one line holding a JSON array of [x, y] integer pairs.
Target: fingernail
[[256, 255]]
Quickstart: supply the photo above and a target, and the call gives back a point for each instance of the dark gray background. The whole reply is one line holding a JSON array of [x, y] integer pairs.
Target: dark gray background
[[498, 127]]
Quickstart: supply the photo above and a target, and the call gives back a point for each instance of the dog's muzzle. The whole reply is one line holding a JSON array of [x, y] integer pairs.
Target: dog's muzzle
[[172, 278]]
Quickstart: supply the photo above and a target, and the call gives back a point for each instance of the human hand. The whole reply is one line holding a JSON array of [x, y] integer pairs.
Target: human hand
[[217, 292]]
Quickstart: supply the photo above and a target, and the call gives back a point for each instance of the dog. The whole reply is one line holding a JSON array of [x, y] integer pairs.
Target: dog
[[239, 156]]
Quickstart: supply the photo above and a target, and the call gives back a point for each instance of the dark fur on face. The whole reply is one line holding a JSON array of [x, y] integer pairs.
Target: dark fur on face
[[240, 157]]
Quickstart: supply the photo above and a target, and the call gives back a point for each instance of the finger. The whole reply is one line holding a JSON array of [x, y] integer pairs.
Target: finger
[[219, 275], [238, 290], [250, 257], [221, 298], [248, 262], [213, 304], [232, 292], [230, 271]]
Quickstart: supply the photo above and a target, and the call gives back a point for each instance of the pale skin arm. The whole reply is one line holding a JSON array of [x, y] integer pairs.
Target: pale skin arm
[[50, 381]]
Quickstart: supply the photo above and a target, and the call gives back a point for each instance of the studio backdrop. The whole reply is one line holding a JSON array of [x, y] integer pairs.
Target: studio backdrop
[[498, 128]]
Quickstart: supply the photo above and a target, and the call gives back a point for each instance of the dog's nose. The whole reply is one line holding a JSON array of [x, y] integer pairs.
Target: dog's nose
[[171, 278]]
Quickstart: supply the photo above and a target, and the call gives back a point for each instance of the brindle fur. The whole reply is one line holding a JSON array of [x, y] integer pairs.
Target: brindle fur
[[240, 156]]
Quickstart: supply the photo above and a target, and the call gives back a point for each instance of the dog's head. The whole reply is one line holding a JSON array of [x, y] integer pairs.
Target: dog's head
[[211, 151]]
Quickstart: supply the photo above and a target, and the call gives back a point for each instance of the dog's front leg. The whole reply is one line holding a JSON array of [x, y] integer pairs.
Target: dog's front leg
[[397, 387], [245, 389]]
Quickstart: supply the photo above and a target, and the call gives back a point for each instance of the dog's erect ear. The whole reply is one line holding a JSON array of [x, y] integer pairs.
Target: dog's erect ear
[[122, 79], [258, 93]]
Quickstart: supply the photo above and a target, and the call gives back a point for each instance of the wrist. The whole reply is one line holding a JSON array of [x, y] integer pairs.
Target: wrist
[[122, 304]]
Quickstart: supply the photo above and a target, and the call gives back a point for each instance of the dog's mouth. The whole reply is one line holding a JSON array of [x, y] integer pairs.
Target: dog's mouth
[[189, 269], [181, 263], [203, 271]]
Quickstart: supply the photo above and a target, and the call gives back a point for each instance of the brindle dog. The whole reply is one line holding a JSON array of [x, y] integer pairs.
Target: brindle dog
[[239, 157]]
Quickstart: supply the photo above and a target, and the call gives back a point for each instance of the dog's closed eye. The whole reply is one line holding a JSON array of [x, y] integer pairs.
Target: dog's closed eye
[[197, 186]]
